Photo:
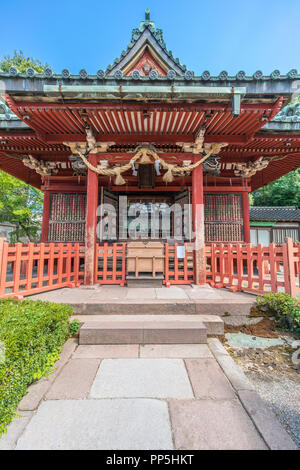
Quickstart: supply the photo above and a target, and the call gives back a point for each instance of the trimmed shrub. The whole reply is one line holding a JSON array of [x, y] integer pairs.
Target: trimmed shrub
[[31, 334], [284, 307]]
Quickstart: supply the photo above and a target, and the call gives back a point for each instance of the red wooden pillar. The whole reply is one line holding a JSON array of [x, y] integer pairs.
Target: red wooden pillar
[[246, 217], [198, 224], [46, 216], [91, 222]]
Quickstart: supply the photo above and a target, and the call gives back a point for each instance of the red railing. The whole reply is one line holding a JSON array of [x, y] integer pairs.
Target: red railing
[[294, 267], [27, 269], [31, 268], [179, 270], [258, 269], [110, 264]]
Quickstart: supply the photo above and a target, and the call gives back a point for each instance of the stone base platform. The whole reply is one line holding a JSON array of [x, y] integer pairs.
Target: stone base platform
[[234, 307]]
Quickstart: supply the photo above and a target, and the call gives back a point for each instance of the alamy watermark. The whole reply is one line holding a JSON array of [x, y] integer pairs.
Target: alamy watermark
[[146, 220]]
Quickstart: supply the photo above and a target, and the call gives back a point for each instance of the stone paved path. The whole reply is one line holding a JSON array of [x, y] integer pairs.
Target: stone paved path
[[143, 397], [112, 293]]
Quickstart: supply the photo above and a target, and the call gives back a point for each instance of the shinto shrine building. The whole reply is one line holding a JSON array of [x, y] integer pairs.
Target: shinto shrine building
[[146, 154]]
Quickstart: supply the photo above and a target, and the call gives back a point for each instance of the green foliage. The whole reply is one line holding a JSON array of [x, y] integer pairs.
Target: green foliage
[[284, 307], [283, 192], [20, 204], [32, 333], [74, 327], [22, 63]]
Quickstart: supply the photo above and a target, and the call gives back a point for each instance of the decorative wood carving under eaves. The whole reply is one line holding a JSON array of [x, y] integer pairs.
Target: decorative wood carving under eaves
[[144, 155], [40, 166]]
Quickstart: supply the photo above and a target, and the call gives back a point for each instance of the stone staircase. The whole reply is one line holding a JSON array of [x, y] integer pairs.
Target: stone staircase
[[148, 329], [145, 280]]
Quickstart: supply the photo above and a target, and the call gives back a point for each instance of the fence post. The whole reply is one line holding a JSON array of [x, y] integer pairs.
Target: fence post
[[291, 266]]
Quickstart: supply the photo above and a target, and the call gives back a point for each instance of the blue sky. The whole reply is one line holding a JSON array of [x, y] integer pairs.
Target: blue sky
[[210, 35]]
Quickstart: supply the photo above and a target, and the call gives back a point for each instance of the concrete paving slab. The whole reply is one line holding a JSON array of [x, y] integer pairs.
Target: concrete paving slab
[[142, 378], [107, 351], [141, 293], [203, 293], [109, 292], [208, 380], [171, 293], [99, 424], [50, 296], [75, 380], [213, 425], [75, 295], [174, 350], [8, 441], [266, 422]]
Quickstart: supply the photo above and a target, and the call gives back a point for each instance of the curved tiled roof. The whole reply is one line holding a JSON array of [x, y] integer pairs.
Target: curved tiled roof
[[204, 77], [6, 113], [290, 113], [276, 213]]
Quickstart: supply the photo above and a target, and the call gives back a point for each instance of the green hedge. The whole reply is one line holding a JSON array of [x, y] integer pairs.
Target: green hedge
[[284, 307], [32, 333]]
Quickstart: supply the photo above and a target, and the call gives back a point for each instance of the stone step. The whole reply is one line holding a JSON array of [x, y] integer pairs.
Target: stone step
[[144, 281], [163, 307], [141, 331], [213, 323]]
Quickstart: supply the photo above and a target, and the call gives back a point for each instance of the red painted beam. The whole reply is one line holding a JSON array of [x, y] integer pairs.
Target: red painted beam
[[137, 138], [136, 106], [63, 188], [226, 189], [146, 190]]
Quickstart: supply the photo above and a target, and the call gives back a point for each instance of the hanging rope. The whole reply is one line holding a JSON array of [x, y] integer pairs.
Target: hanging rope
[[144, 155]]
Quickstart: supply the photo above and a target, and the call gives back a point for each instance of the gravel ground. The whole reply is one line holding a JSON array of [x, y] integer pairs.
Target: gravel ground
[[284, 399], [271, 370]]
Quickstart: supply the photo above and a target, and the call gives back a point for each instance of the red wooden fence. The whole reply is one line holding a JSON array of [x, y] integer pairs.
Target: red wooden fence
[[31, 268], [110, 263], [179, 270], [294, 267], [258, 269], [27, 269]]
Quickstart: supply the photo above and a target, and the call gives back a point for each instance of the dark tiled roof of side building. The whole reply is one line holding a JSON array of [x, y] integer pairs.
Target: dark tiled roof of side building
[[284, 213]]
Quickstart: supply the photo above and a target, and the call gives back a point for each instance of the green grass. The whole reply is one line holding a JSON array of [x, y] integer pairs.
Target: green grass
[[31, 337]]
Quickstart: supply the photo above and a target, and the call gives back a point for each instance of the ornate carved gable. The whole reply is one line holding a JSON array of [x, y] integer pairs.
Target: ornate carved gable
[[144, 63], [147, 52]]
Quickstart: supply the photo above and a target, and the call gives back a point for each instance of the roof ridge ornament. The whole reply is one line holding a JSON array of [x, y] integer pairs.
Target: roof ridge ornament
[[146, 23]]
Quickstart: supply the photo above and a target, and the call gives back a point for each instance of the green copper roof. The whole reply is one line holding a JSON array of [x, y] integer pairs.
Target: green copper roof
[[6, 113], [261, 224], [290, 113], [154, 36]]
